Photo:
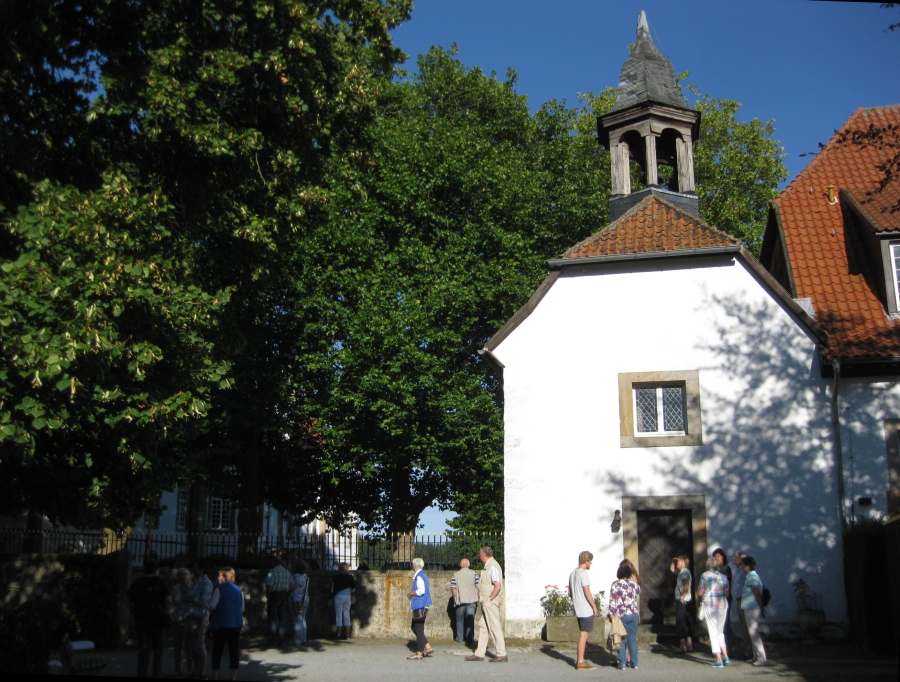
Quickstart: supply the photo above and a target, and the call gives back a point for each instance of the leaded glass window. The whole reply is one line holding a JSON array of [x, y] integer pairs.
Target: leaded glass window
[[659, 410], [645, 410]]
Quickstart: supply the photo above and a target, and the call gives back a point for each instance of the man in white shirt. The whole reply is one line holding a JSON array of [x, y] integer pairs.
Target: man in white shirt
[[583, 602], [490, 596]]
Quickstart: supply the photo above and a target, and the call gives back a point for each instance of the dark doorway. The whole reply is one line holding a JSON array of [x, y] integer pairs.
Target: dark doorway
[[661, 535]]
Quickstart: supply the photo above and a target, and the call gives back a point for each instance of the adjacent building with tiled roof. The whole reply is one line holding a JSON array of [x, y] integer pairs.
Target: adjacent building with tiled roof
[[833, 238], [663, 393]]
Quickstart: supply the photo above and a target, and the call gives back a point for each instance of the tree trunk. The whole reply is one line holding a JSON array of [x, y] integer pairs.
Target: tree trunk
[[248, 508], [196, 525], [34, 536]]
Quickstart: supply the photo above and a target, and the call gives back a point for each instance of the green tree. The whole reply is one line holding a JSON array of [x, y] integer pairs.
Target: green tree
[[444, 237], [187, 141], [738, 167]]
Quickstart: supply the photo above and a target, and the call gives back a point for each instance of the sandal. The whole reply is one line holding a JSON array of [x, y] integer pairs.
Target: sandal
[[418, 656], [428, 651]]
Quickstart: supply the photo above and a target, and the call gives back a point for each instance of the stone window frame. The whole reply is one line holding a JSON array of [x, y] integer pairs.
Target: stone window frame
[[628, 381]]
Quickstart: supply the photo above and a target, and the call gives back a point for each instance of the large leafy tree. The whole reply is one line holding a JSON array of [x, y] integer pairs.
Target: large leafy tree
[[159, 158], [443, 237]]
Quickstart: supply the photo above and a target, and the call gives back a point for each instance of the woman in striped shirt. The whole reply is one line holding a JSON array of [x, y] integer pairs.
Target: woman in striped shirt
[[712, 590]]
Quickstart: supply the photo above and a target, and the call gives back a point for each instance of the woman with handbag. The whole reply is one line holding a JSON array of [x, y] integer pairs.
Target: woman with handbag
[[300, 600], [419, 601], [623, 603], [712, 590], [753, 608]]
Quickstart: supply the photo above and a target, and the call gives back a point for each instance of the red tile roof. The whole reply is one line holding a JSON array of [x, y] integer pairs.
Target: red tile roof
[[651, 225], [824, 244]]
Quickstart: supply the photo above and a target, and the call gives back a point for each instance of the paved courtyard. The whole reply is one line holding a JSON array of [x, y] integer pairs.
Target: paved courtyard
[[385, 660]]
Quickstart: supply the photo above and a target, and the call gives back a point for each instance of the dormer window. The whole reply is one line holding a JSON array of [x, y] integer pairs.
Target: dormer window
[[895, 269]]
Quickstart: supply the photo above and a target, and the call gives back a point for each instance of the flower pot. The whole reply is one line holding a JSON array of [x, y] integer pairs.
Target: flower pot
[[565, 629], [811, 621]]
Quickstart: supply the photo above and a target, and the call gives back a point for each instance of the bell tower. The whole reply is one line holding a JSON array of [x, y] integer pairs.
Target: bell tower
[[651, 124]]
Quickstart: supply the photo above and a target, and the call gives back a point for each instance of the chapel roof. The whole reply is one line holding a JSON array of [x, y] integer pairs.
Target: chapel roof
[[652, 225], [646, 75], [824, 242]]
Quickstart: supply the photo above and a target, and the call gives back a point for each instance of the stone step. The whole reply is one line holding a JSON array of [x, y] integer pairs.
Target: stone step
[[665, 635]]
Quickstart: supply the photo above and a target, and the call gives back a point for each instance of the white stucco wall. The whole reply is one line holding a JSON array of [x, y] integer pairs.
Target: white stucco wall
[[766, 463], [865, 403]]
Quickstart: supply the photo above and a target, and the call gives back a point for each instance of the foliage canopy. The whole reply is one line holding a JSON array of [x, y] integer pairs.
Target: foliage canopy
[[159, 156]]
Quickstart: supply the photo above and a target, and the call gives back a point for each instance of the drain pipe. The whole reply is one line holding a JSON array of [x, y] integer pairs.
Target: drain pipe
[[836, 425]]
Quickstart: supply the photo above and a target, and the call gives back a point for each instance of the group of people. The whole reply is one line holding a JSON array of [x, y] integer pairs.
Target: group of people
[[194, 609], [194, 606], [476, 596], [717, 591], [287, 598], [191, 608]]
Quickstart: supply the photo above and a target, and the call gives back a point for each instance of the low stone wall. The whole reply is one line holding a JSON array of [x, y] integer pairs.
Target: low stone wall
[[380, 606]]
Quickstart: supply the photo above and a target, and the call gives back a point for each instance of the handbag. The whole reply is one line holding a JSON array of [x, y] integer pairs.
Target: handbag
[[418, 615], [704, 611]]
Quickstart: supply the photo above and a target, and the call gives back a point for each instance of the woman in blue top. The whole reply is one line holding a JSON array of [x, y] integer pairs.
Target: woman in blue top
[[751, 605], [226, 621], [419, 600]]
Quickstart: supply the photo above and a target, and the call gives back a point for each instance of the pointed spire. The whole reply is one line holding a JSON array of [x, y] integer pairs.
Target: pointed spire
[[643, 26], [646, 75]]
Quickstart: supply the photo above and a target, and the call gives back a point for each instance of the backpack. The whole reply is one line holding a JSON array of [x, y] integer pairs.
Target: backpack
[[766, 596]]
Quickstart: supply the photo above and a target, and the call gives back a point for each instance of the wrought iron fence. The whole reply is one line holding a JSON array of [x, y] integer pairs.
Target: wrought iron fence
[[321, 550]]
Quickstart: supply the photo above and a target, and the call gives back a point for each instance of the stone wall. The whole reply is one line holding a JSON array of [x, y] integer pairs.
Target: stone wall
[[380, 608]]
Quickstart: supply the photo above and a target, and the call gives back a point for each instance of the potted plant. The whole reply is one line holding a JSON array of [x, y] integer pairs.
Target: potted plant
[[810, 615], [560, 614]]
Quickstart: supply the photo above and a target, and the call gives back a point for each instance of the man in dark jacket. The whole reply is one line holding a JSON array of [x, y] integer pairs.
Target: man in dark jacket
[[148, 596]]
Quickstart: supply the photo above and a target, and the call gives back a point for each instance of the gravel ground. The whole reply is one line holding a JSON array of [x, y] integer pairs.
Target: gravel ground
[[385, 660]]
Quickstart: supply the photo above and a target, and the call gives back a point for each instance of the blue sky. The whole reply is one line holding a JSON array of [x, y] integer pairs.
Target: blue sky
[[808, 65]]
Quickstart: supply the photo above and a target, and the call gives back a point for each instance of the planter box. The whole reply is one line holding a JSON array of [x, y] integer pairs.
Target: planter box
[[565, 629], [810, 621]]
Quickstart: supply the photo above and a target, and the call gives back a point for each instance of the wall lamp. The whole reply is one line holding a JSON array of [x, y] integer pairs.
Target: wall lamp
[[616, 524]]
